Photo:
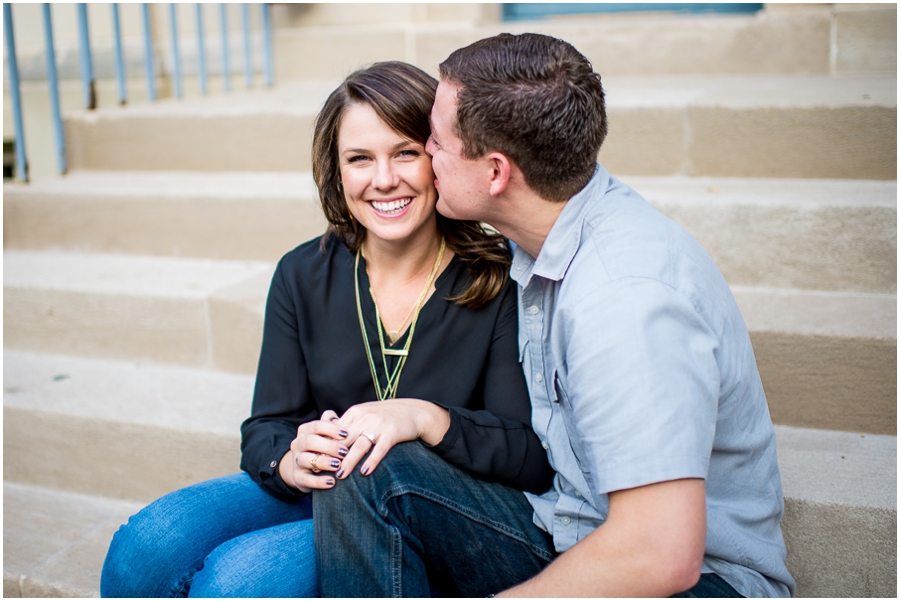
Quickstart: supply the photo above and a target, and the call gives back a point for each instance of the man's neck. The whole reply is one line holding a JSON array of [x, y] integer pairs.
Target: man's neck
[[527, 220]]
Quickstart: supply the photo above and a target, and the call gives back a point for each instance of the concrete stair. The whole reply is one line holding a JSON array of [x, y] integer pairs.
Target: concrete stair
[[135, 286], [176, 426], [726, 126]]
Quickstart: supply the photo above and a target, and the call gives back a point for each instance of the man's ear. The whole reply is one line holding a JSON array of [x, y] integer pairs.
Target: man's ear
[[501, 170]]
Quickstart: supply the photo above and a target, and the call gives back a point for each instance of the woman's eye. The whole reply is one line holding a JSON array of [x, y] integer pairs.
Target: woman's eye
[[357, 158], [409, 153]]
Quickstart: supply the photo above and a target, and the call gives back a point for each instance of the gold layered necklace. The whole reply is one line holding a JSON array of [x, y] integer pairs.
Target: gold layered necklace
[[393, 378]]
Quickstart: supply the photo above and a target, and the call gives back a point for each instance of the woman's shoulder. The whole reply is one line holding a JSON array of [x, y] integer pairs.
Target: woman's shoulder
[[314, 255]]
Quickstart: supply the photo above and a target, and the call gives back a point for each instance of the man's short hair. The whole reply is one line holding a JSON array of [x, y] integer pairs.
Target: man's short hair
[[535, 99]]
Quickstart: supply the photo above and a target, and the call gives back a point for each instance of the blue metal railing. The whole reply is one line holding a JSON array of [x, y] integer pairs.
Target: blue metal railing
[[88, 77]]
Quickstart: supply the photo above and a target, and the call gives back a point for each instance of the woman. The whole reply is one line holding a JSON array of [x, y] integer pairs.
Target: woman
[[398, 322]]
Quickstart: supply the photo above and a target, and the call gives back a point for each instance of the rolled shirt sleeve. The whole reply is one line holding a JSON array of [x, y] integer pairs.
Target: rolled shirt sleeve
[[639, 389]]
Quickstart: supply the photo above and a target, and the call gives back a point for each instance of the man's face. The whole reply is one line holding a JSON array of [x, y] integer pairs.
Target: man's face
[[462, 184]]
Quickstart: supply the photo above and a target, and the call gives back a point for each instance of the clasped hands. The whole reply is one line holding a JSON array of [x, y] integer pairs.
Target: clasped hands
[[329, 449]]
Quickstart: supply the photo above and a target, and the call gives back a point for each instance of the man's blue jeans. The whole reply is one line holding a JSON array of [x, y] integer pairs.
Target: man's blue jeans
[[221, 538], [420, 527]]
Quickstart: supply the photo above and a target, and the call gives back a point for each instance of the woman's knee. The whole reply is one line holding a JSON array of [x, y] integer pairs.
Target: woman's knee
[[275, 562], [158, 550]]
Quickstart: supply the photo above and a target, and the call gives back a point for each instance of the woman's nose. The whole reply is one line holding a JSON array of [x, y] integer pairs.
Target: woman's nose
[[385, 176]]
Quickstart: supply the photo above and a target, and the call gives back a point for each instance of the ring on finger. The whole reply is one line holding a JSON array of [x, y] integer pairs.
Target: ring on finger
[[312, 462], [370, 436]]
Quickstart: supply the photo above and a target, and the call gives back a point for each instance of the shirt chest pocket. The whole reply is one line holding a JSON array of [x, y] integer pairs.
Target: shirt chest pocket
[[563, 408]]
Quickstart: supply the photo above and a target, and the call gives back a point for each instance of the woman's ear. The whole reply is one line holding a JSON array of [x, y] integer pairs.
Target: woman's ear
[[501, 169]]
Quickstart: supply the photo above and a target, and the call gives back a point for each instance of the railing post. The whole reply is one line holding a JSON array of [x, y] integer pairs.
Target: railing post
[[176, 54], [87, 65], [268, 68], [226, 68], [248, 58], [120, 61], [148, 54], [53, 82], [13, 65], [201, 49]]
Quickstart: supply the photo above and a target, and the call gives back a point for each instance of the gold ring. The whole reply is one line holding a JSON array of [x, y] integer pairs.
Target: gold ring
[[370, 436], [312, 462]]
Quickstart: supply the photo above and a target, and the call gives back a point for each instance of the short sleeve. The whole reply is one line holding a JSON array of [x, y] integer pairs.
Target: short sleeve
[[641, 385]]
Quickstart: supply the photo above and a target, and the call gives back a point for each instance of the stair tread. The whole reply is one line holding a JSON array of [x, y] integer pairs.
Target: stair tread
[[180, 398], [280, 184], [125, 274]]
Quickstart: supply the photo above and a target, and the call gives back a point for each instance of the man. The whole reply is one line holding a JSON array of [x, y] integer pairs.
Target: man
[[643, 382]]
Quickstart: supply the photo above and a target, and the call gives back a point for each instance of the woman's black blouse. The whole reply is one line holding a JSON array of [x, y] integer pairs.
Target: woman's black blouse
[[464, 360]]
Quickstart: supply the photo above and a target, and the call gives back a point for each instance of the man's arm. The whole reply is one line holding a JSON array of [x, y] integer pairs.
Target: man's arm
[[651, 545]]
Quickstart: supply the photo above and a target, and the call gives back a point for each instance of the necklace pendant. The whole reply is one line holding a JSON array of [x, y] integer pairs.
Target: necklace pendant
[[396, 352]]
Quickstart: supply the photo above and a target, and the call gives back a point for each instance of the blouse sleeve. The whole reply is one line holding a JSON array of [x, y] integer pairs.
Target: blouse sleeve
[[281, 398], [498, 442]]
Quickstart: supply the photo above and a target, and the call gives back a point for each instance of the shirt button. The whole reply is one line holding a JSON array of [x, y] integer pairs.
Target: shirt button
[[539, 377], [577, 494], [565, 520], [534, 309], [545, 445], [273, 464]]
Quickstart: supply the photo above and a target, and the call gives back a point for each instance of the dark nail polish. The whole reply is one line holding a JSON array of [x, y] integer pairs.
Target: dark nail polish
[[343, 452], [335, 463], [343, 433], [365, 470], [330, 482], [340, 473]]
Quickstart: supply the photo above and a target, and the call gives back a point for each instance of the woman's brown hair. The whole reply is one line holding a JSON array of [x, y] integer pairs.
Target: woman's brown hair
[[402, 96]]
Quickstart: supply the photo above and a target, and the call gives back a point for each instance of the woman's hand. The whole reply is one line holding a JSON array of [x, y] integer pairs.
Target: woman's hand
[[377, 426], [315, 454]]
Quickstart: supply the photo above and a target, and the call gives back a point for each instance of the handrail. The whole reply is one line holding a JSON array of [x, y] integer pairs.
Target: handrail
[[88, 76], [21, 164], [53, 82]]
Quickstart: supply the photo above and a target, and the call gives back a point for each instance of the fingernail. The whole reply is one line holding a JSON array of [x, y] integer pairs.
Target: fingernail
[[340, 473], [343, 452], [333, 419], [365, 470], [343, 433], [330, 482], [335, 463]]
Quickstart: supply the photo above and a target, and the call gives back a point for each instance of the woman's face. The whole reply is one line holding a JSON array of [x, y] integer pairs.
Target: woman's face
[[387, 179]]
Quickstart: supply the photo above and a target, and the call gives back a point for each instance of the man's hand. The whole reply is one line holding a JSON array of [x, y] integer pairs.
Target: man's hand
[[651, 545]]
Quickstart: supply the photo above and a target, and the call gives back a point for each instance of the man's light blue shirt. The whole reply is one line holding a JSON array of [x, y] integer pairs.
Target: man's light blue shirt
[[640, 370]]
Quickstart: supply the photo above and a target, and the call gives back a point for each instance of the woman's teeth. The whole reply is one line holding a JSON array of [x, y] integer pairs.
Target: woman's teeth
[[394, 206]]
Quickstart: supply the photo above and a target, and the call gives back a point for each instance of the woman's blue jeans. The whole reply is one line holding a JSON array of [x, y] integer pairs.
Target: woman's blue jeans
[[226, 537]]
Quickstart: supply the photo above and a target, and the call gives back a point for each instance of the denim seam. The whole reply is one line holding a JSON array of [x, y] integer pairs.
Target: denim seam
[[396, 562], [430, 495]]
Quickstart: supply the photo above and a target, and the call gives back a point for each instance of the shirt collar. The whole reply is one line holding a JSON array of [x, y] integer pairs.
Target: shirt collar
[[562, 242]]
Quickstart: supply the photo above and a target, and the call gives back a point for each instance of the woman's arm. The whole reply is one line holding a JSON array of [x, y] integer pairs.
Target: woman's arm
[[282, 400], [498, 442]]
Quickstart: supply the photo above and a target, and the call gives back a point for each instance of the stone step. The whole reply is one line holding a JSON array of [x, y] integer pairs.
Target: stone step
[[827, 359], [54, 542], [803, 234], [802, 126], [190, 312], [840, 518], [236, 216], [784, 39], [119, 429], [839, 524]]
